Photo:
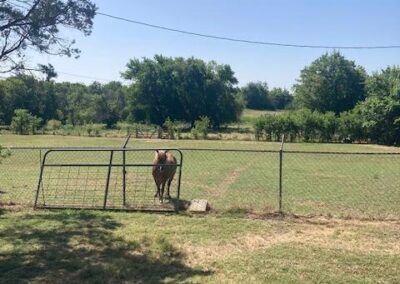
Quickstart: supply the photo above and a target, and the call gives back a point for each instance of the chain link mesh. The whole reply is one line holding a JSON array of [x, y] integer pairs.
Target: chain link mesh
[[337, 184]]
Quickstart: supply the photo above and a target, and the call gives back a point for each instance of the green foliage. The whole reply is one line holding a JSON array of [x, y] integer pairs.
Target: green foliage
[[94, 129], [24, 123], [39, 25], [380, 112], [74, 104], [172, 128], [182, 89], [301, 125], [256, 96], [281, 98], [53, 124], [200, 129], [330, 83], [351, 126]]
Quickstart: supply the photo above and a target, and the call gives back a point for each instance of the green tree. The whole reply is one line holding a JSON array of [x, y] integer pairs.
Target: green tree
[[24, 122], [381, 119], [380, 112], [281, 98], [330, 83], [38, 25], [182, 89], [256, 96], [350, 126]]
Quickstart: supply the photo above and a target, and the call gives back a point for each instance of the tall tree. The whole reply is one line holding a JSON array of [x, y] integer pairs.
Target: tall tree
[[182, 89], [281, 98], [38, 24], [330, 83], [380, 112], [256, 96]]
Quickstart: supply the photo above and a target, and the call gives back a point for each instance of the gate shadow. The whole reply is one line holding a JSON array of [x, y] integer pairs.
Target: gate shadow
[[78, 247]]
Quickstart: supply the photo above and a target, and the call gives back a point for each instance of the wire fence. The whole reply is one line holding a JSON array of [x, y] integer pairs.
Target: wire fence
[[329, 183]]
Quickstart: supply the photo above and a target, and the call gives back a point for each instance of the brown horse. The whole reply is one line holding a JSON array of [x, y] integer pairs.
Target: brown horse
[[164, 168]]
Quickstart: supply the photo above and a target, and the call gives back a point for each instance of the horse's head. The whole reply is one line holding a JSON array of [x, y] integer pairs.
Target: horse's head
[[160, 159]]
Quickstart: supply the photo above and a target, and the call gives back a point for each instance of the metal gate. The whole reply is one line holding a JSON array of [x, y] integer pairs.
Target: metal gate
[[103, 178]]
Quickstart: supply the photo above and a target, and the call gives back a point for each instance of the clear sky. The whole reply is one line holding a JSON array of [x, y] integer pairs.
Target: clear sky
[[314, 22]]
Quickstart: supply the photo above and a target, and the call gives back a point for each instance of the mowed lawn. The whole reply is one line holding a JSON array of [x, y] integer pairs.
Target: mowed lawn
[[67, 246], [338, 185]]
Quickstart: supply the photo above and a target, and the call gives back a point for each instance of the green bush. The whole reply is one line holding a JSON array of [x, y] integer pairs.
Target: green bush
[[94, 129], [171, 127], [201, 128], [53, 124], [303, 125], [23, 122]]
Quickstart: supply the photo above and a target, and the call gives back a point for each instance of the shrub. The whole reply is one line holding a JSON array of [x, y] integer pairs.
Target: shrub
[[171, 127], [53, 124], [201, 127], [23, 122], [94, 129]]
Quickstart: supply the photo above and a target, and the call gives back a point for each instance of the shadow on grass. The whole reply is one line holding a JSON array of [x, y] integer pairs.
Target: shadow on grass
[[79, 246]]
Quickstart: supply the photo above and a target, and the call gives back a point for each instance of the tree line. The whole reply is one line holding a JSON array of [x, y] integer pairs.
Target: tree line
[[339, 101], [335, 91]]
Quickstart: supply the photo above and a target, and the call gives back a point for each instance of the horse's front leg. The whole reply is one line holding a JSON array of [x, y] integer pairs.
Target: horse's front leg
[[162, 192], [169, 185], [157, 190]]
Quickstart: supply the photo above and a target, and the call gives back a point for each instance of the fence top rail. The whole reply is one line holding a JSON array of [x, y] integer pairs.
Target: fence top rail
[[341, 153], [198, 149]]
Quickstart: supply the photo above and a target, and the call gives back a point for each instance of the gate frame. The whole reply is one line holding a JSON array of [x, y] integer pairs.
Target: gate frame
[[110, 165]]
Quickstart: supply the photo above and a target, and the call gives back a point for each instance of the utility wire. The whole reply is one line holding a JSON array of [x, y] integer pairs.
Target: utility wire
[[244, 40], [83, 76]]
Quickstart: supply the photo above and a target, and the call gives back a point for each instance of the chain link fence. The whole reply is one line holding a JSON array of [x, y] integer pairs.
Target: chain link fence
[[329, 183]]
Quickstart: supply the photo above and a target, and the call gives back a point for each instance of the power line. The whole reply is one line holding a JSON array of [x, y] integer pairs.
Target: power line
[[83, 76], [244, 40]]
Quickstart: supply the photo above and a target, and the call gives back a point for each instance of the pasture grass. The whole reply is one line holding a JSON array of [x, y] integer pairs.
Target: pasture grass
[[364, 186], [78, 246]]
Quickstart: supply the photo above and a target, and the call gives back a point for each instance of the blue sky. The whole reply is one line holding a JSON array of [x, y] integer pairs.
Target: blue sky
[[340, 22]]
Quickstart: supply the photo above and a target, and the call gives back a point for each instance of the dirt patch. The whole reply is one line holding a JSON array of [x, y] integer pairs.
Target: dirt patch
[[11, 206], [229, 180]]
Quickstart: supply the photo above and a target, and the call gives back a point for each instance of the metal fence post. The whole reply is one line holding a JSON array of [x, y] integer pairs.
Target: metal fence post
[[108, 179], [180, 176], [281, 173], [124, 171]]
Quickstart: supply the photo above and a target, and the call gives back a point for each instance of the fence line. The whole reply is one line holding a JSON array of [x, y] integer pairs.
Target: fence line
[[361, 184]]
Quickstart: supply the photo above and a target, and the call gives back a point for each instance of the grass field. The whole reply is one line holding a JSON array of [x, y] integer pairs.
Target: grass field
[[333, 185], [103, 247], [241, 239]]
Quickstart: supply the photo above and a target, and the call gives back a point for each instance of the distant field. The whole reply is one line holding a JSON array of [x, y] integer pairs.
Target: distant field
[[80, 141], [250, 115]]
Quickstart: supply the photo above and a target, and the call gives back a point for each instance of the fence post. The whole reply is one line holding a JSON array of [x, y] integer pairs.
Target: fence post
[[124, 171], [281, 173], [108, 180]]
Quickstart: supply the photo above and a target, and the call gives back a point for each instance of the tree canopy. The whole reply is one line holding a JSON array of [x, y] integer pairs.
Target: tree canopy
[[38, 24], [70, 103], [380, 112], [182, 89], [256, 96], [330, 83]]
